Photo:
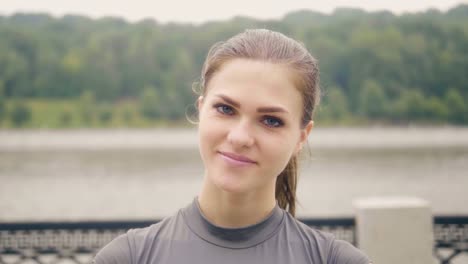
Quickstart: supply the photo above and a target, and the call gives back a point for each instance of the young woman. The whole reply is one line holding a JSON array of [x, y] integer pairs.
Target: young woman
[[258, 93]]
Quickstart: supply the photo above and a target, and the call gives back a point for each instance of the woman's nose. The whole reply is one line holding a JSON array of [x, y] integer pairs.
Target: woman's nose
[[240, 135]]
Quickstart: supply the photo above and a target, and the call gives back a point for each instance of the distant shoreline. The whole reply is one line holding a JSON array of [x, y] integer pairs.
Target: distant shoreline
[[186, 138]]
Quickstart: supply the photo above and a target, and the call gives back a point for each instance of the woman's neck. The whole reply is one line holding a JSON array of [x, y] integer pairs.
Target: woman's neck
[[233, 210]]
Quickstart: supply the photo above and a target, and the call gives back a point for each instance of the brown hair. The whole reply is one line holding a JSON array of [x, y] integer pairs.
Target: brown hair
[[274, 47]]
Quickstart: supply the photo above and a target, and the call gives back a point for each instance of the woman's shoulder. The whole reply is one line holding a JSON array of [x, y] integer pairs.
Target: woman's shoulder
[[161, 230], [116, 251], [126, 247], [299, 230], [343, 252], [326, 245]]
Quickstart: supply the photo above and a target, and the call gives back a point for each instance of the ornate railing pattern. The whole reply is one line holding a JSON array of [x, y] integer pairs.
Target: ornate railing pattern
[[451, 238], [78, 242]]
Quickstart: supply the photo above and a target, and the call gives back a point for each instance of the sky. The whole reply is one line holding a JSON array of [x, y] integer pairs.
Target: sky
[[198, 11]]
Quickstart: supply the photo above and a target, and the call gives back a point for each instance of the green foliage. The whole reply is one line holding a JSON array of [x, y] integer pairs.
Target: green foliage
[[3, 109], [457, 107], [373, 100], [20, 114], [410, 105], [127, 115], [334, 106], [87, 107], [150, 103], [65, 118], [380, 67], [105, 113], [68, 114]]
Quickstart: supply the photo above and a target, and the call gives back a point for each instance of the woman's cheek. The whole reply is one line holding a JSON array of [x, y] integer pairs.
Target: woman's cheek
[[279, 152], [209, 130]]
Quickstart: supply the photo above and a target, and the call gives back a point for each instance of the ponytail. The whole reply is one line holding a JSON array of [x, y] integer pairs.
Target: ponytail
[[286, 184]]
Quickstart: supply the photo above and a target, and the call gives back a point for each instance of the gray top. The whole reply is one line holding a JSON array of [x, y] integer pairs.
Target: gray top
[[188, 237]]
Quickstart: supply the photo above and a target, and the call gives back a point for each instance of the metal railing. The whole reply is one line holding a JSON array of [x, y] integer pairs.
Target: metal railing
[[450, 237], [77, 242]]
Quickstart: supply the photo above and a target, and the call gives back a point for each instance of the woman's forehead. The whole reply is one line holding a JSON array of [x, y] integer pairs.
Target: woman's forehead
[[245, 72], [242, 66]]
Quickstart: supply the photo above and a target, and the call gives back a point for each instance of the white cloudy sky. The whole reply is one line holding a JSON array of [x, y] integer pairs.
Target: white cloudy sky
[[203, 10]]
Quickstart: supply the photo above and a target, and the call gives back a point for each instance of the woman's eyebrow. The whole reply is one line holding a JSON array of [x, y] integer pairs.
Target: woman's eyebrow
[[228, 100], [265, 109]]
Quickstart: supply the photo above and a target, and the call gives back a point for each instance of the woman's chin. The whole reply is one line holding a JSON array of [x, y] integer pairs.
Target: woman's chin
[[229, 185]]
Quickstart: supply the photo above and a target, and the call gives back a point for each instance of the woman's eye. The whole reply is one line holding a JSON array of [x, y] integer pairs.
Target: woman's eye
[[224, 109], [272, 121]]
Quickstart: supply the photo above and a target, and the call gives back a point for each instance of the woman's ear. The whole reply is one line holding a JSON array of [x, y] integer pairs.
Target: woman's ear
[[304, 135], [199, 103]]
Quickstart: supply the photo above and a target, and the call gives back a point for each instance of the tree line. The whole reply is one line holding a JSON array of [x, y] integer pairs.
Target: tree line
[[74, 71]]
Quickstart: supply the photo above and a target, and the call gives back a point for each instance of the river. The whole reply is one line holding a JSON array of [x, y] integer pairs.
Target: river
[[131, 174]]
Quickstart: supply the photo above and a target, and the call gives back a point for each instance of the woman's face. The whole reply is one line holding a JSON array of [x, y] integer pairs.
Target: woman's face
[[249, 125]]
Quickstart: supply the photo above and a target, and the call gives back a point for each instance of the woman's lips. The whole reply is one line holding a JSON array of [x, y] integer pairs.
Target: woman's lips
[[236, 159]]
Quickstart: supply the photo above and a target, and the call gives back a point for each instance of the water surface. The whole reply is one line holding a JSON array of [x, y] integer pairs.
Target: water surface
[[145, 174]]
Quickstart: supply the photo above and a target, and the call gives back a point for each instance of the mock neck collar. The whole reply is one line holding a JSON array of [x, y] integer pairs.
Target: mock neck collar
[[236, 238]]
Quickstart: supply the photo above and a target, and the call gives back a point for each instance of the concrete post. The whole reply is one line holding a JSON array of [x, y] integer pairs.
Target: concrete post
[[395, 230]]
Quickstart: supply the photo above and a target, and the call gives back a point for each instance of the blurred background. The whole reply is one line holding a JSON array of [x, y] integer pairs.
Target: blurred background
[[94, 99]]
